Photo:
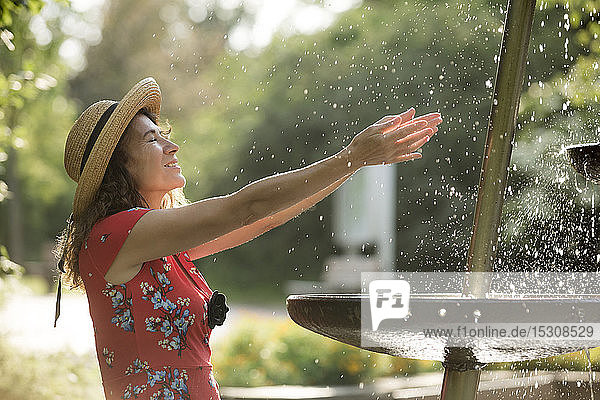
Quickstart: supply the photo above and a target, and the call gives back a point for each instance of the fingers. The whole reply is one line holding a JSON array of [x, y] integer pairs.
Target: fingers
[[398, 132], [408, 115], [430, 117], [403, 134], [406, 157], [434, 122], [408, 145], [389, 125], [420, 141], [404, 130], [405, 117], [416, 136], [431, 120]]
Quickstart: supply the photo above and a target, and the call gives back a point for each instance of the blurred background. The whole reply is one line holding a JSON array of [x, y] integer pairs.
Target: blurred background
[[257, 87]]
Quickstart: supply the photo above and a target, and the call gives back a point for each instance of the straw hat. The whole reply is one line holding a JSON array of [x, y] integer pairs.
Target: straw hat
[[95, 135]]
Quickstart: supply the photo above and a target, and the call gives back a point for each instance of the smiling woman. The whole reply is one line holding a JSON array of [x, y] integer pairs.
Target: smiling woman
[[132, 236], [152, 162]]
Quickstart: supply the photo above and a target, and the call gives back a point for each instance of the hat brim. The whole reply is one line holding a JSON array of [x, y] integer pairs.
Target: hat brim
[[145, 94]]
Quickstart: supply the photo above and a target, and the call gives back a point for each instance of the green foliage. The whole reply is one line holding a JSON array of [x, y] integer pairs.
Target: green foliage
[[8, 267], [550, 213], [582, 20], [35, 115], [161, 40], [47, 376], [8, 8], [263, 352], [11, 95]]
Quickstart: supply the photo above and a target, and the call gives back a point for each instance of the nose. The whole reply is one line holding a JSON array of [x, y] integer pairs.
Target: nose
[[170, 147]]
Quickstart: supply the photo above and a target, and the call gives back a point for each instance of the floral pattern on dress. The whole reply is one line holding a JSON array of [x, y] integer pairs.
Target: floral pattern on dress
[[109, 356], [122, 305], [170, 381], [175, 318], [166, 264], [205, 312]]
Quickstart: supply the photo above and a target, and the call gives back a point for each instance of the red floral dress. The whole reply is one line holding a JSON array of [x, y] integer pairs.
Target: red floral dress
[[152, 334]]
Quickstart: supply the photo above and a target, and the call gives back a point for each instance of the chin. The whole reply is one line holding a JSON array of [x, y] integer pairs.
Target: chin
[[180, 183]]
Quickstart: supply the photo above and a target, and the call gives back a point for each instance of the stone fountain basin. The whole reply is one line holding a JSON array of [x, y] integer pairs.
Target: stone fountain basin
[[585, 159], [338, 316]]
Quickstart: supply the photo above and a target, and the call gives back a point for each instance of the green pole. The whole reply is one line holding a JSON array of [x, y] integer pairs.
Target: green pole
[[462, 383], [461, 374], [498, 146]]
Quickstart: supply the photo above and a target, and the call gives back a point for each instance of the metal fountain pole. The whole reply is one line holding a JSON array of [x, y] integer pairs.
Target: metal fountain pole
[[461, 375]]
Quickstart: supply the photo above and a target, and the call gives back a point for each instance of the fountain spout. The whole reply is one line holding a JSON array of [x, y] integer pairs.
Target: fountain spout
[[498, 147], [462, 384]]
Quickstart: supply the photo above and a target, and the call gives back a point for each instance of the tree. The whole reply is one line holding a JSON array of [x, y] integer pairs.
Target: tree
[[160, 40], [9, 101], [31, 77]]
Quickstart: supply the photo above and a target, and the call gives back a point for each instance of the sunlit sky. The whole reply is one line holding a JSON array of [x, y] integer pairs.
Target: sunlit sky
[[287, 17]]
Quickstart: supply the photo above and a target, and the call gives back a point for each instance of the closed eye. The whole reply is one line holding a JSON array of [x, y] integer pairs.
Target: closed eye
[[166, 133]]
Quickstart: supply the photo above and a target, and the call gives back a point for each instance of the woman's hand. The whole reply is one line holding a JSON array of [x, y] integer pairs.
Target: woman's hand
[[392, 139]]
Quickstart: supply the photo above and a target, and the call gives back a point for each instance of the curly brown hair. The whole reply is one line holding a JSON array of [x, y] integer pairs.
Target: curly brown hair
[[116, 193]]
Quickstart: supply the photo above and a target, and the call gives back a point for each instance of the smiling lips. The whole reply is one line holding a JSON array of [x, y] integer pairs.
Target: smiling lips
[[171, 164]]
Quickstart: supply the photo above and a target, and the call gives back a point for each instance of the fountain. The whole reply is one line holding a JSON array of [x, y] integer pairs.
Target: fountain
[[340, 316], [585, 158]]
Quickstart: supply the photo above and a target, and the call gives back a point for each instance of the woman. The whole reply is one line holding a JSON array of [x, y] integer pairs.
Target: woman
[[132, 236]]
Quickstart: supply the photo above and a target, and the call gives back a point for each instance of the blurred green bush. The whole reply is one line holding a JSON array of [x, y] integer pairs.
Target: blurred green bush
[[262, 351], [577, 361], [54, 376]]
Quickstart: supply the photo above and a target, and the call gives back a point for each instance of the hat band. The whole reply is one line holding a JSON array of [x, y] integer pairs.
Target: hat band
[[95, 133]]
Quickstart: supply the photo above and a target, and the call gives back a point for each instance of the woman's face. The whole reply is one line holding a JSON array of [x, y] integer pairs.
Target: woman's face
[[151, 160]]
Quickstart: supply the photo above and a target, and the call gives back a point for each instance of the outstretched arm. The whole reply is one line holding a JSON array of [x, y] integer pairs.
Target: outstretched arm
[[257, 228], [266, 203], [390, 140]]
